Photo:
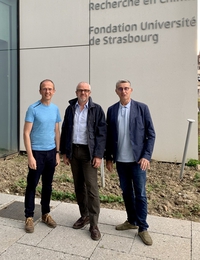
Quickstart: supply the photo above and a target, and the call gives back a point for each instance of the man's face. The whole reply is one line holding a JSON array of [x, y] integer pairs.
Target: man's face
[[83, 92], [47, 90], [124, 91]]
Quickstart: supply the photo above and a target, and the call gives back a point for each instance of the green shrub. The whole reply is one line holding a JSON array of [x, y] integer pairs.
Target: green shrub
[[193, 162]]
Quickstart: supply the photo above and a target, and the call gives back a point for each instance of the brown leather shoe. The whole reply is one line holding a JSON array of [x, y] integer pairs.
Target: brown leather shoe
[[81, 222], [47, 219], [29, 225], [95, 233]]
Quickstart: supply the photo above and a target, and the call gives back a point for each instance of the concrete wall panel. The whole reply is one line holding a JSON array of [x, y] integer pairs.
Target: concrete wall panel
[[162, 69], [50, 23], [65, 66]]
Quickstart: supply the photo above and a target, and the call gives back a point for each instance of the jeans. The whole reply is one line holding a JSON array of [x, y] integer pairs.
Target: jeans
[[133, 182], [46, 161], [85, 183]]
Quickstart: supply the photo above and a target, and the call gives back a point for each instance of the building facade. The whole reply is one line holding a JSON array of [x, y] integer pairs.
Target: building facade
[[153, 43]]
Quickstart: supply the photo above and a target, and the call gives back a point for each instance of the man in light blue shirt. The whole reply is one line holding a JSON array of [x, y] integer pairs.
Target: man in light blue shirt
[[130, 142], [42, 142], [83, 140]]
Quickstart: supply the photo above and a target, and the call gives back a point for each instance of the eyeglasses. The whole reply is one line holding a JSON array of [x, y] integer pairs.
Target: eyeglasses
[[123, 89], [83, 90]]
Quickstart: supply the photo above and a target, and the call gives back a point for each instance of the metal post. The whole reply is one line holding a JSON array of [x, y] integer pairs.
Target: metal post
[[186, 145], [102, 174]]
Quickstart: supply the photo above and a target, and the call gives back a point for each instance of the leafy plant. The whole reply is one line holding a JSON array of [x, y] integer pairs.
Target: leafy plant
[[21, 183], [110, 198], [63, 178], [60, 195], [193, 162], [197, 179], [177, 214]]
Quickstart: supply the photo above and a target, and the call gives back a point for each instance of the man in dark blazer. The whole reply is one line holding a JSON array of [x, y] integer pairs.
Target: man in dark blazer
[[130, 142]]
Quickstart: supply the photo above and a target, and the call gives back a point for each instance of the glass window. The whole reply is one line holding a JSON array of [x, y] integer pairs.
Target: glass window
[[8, 77]]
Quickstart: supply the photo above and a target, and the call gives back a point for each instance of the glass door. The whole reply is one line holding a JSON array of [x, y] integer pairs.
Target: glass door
[[8, 78]]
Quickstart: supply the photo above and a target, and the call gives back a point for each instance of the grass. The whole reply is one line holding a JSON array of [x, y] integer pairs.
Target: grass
[[61, 195], [63, 178], [110, 198]]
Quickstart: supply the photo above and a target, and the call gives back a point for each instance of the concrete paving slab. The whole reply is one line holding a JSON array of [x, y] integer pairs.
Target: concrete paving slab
[[11, 223], [164, 247], [66, 214], [53, 203], [173, 239], [41, 230], [174, 227], [106, 254], [196, 226], [195, 245], [69, 240], [113, 217], [110, 229], [9, 236], [116, 243], [6, 199], [24, 252]]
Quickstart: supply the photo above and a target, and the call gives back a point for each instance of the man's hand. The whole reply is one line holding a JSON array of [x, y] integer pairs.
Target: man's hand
[[96, 162], [57, 159], [109, 166], [144, 164], [66, 160], [32, 162]]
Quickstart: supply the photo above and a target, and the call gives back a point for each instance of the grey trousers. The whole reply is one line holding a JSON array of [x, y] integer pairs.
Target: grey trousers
[[85, 183]]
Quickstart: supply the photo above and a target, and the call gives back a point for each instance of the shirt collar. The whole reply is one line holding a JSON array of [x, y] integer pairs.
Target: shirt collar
[[77, 104], [127, 105]]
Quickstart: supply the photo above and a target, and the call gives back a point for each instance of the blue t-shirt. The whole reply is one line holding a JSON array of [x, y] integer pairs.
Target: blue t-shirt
[[44, 119]]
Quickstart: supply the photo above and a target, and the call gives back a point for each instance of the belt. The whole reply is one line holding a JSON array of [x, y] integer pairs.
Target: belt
[[80, 145]]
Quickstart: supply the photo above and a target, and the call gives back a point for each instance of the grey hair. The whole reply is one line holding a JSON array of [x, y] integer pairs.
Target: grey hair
[[122, 81], [83, 82]]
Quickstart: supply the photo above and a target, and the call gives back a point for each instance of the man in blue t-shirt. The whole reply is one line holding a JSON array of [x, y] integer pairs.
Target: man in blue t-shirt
[[42, 140]]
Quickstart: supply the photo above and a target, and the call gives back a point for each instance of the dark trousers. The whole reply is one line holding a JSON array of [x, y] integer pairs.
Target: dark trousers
[[133, 185], [46, 161], [85, 183]]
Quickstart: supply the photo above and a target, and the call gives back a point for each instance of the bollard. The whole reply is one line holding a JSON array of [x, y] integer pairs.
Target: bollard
[[186, 145], [102, 174]]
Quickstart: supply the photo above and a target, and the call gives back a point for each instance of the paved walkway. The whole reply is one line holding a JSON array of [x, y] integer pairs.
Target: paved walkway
[[172, 238]]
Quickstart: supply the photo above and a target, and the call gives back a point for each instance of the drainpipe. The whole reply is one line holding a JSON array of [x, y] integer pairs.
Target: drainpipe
[[186, 145]]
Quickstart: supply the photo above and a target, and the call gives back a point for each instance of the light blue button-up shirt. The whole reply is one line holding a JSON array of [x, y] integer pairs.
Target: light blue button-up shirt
[[80, 125], [124, 151]]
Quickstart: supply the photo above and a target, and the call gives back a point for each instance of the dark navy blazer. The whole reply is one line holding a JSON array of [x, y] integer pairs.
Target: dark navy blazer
[[142, 133]]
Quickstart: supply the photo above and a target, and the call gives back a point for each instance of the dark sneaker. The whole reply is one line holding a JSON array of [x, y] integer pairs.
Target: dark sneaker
[[125, 226], [47, 219], [29, 225], [81, 222], [95, 233], [146, 239]]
